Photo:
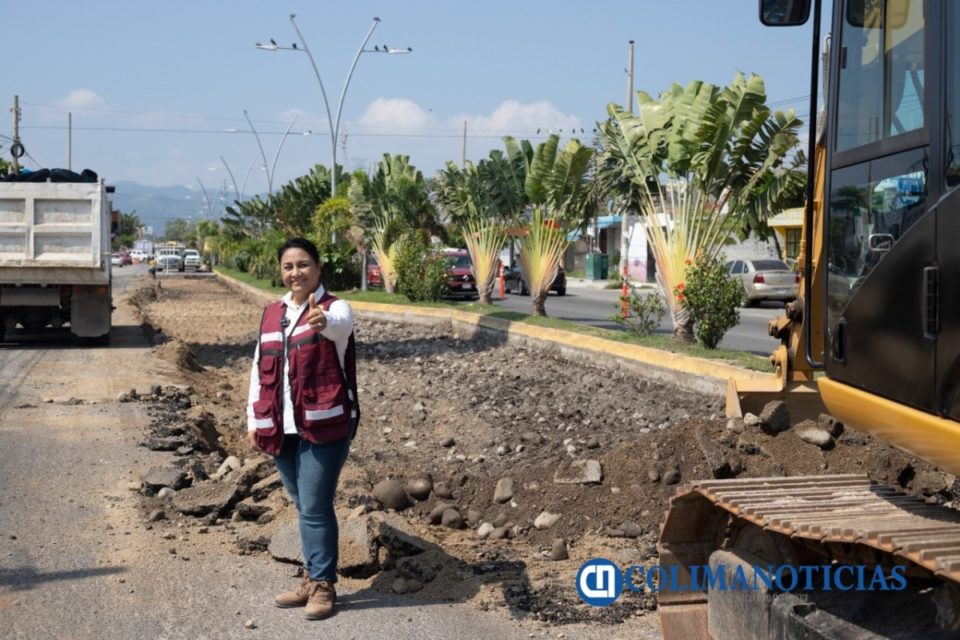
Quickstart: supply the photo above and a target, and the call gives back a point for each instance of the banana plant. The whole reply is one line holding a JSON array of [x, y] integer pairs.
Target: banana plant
[[697, 156]]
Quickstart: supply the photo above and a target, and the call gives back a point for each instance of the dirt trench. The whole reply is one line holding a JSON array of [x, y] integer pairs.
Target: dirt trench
[[469, 414]]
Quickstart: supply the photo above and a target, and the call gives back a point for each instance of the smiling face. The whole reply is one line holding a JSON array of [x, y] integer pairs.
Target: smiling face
[[299, 273]]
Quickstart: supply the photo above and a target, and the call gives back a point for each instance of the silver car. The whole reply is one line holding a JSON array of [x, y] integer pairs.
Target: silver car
[[765, 279]]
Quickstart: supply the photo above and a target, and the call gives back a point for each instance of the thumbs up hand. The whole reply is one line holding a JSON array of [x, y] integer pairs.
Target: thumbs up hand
[[315, 315]]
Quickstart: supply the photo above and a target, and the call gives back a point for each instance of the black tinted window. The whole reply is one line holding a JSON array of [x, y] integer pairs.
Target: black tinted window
[[770, 265]]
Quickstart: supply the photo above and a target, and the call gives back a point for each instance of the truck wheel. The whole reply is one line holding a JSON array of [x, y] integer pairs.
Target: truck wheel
[[97, 341]]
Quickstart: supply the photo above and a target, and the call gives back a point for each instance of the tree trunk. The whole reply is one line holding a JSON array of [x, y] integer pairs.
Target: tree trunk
[[682, 325], [486, 295], [539, 303]]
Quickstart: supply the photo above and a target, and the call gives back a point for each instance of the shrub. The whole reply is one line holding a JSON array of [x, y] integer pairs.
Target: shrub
[[421, 276], [339, 269], [644, 312], [712, 298]]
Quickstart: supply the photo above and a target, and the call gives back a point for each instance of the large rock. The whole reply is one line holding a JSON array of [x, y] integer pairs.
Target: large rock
[[265, 487], [254, 470], [391, 495], [579, 472], [206, 498], [419, 488], [452, 519], [362, 538], [713, 454], [504, 490], [285, 544], [817, 437], [830, 424], [232, 463], [358, 549], [392, 532], [436, 514], [251, 510], [558, 550], [775, 417], [929, 483], [546, 520], [159, 477]]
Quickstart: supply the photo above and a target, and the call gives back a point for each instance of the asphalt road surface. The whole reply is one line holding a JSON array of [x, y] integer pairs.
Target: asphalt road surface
[[593, 306], [77, 559]]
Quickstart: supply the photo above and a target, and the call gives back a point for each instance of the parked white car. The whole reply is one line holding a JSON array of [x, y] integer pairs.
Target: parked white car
[[116, 260], [139, 255], [191, 260], [169, 260]]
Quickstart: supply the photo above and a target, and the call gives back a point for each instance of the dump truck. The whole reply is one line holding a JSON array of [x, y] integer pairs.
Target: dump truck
[[55, 235], [872, 338]]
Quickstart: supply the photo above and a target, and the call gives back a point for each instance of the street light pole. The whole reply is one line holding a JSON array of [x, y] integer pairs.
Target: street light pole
[[262, 154], [334, 125]]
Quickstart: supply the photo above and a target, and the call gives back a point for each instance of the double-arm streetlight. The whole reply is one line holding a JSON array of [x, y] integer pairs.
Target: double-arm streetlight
[[334, 125]]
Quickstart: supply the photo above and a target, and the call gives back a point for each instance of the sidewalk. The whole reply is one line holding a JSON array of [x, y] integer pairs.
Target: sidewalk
[[583, 283]]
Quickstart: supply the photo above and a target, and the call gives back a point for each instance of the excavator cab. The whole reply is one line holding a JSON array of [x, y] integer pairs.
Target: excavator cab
[[875, 336]]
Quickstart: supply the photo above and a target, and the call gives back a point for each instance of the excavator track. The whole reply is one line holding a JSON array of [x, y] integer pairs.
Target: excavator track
[[804, 520]]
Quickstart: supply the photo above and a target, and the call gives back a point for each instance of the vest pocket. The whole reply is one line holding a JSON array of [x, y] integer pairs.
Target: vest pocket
[[269, 370], [322, 414]]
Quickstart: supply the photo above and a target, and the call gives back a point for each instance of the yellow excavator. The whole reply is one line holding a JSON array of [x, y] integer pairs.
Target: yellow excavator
[[875, 336]]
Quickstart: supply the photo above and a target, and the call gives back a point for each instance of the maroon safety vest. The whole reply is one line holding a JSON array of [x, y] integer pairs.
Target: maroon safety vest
[[324, 396]]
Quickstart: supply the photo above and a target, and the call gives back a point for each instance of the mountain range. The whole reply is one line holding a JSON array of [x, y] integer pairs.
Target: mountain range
[[156, 205]]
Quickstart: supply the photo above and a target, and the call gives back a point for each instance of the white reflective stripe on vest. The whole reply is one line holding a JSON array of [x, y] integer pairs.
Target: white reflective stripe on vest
[[301, 329], [274, 336], [323, 414], [263, 423]]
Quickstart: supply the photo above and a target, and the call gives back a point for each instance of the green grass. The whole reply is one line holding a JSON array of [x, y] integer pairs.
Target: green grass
[[656, 341]]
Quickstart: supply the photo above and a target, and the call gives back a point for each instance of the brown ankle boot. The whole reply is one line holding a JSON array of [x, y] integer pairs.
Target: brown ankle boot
[[320, 601], [296, 598]]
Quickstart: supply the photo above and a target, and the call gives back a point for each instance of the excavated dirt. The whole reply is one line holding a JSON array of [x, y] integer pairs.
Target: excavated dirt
[[470, 410]]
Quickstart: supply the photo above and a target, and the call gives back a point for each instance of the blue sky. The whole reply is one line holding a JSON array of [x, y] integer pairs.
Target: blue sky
[[157, 89]]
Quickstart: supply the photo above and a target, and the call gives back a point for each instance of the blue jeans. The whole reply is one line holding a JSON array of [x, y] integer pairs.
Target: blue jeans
[[310, 473]]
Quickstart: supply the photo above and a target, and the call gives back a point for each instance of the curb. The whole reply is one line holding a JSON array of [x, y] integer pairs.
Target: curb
[[695, 374]]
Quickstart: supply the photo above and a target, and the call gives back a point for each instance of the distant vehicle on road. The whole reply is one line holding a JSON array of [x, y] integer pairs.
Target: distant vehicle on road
[[191, 260], [374, 277], [116, 260], [765, 279], [460, 279], [513, 282], [138, 255], [169, 260]]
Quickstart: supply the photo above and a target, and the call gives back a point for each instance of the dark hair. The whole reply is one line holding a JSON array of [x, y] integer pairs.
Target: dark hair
[[299, 243]]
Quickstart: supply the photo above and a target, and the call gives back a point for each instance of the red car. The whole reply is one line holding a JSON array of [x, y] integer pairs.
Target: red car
[[460, 279], [374, 277]]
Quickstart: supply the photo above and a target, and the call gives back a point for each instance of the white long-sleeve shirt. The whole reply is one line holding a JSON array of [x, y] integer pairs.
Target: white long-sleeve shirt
[[338, 329]]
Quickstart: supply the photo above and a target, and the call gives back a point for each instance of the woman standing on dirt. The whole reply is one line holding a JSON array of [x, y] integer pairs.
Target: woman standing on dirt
[[303, 411]]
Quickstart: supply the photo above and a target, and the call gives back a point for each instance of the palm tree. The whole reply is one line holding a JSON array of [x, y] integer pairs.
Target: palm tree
[[697, 156], [468, 196], [390, 204], [559, 192]]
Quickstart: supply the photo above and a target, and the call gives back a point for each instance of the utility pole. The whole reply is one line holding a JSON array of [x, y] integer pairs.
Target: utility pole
[[625, 215], [463, 147], [15, 147], [69, 141]]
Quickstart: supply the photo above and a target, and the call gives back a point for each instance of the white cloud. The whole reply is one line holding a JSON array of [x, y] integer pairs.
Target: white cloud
[[82, 99], [513, 116], [290, 114], [395, 113]]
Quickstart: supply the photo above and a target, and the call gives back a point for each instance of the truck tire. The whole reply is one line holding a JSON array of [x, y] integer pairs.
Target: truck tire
[[96, 341]]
